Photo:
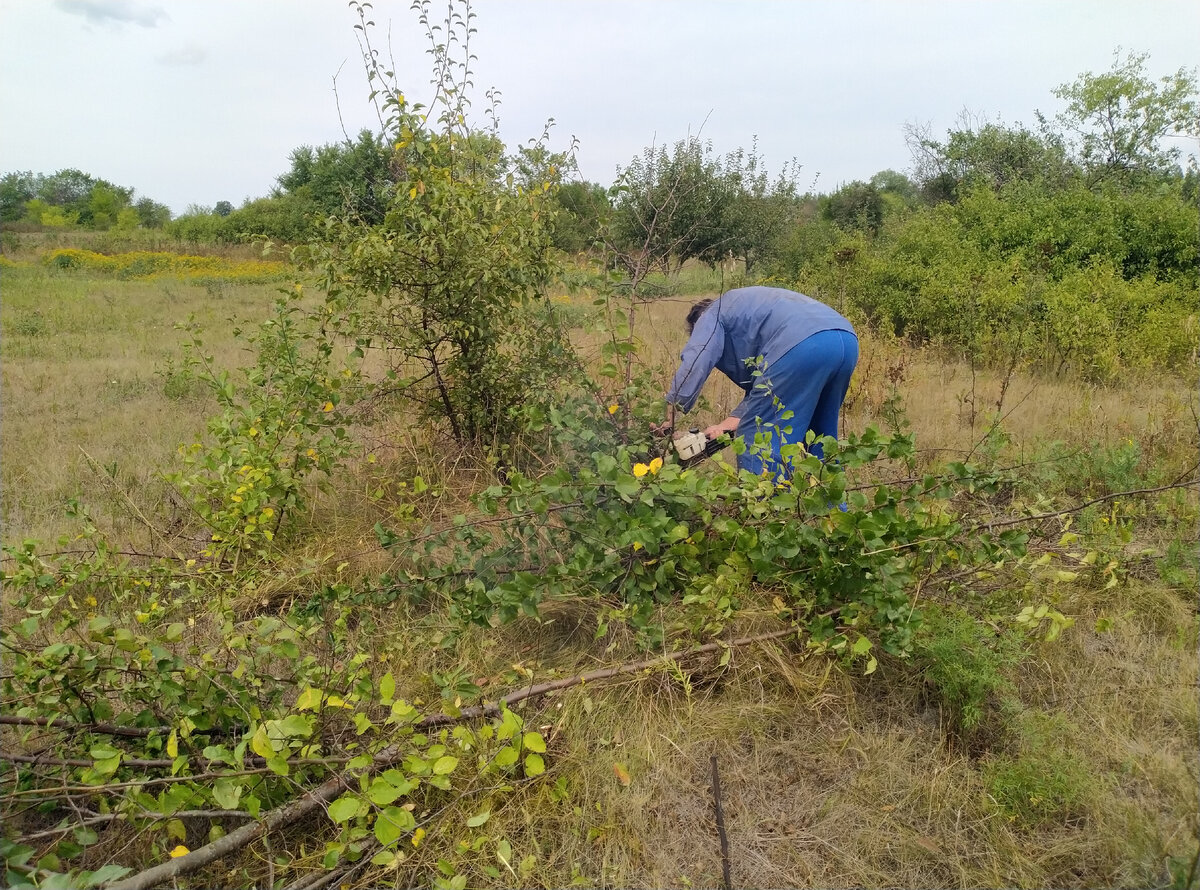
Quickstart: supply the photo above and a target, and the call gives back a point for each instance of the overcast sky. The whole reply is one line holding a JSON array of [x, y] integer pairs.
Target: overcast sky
[[198, 101]]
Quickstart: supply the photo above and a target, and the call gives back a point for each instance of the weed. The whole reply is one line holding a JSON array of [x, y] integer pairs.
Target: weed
[[30, 324], [967, 666], [1044, 780]]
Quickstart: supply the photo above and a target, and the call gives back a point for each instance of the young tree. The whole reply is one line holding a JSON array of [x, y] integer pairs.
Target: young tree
[[856, 206], [669, 208], [353, 177], [1119, 123], [989, 155], [444, 284]]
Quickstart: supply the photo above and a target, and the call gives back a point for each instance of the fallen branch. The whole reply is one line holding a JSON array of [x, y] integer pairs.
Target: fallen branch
[[133, 732], [308, 803], [492, 710]]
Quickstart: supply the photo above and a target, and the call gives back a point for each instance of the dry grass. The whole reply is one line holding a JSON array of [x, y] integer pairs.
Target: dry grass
[[89, 412]]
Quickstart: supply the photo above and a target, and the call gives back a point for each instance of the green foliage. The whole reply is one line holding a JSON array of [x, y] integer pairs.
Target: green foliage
[[453, 279], [853, 207], [1098, 282], [1119, 121], [966, 663], [986, 155], [583, 211], [671, 207], [638, 535], [1043, 780], [16, 190], [277, 426], [72, 197], [353, 179]]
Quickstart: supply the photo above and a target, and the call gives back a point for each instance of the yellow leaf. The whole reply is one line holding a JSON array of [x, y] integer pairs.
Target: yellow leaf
[[655, 465], [640, 470], [181, 850], [328, 407], [613, 409], [173, 744], [622, 774], [418, 836]]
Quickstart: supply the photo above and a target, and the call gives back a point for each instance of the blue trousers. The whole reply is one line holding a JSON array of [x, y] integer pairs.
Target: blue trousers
[[810, 380]]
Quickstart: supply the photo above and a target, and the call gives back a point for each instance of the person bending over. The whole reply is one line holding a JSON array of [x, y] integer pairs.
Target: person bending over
[[806, 353]]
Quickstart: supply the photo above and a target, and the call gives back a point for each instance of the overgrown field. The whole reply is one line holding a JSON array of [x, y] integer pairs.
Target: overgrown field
[[201, 634]]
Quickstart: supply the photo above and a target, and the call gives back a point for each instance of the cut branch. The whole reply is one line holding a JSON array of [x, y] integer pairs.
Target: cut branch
[[308, 803]]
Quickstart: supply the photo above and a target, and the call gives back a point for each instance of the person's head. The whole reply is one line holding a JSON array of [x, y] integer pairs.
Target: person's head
[[695, 312]]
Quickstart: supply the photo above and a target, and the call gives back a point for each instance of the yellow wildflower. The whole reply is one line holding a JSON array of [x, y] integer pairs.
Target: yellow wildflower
[[655, 465], [328, 407], [614, 408], [640, 470]]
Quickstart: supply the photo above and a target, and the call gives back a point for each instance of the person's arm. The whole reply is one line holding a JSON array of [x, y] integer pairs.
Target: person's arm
[[728, 425], [699, 357]]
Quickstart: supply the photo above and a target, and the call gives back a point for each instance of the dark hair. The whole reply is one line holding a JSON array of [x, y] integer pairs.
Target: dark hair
[[695, 312]]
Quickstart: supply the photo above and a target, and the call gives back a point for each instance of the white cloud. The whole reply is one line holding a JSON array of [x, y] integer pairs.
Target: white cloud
[[114, 12], [189, 54]]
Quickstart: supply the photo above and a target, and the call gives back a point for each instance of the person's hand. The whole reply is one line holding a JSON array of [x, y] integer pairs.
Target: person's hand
[[728, 425], [662, 429]]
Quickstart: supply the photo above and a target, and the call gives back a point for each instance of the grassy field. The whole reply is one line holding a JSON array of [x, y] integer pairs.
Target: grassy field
[[1082, 772]]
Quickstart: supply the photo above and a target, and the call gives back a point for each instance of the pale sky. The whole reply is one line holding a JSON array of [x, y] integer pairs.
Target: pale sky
[[198, 101]]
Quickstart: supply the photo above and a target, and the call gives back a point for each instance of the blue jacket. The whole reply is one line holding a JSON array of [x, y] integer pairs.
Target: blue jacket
[[741, 326]]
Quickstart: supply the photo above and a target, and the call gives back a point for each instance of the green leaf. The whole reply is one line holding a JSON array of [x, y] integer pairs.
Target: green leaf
[[309, 699], [105, 875], [260, 744], [479, 818], [295, 726], [443, 766], [392, 823], [534, 742], [344, 808], [506, 756], [504, 853], [534, 765], [387, 688], [382, 792], [103, 751], [227, 792], [85, 836]]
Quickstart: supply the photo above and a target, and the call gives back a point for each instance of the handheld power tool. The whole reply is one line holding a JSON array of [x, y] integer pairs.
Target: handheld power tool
[[693, 446]]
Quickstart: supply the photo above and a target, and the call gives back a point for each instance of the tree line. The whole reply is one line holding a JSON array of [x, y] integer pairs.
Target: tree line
[[1074, 238], [72, 198]]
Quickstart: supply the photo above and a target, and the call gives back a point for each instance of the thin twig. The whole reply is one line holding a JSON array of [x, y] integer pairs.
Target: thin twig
[[716, 790]]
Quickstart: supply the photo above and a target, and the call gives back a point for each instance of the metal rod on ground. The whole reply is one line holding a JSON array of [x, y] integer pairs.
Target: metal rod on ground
[[716, 789]]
